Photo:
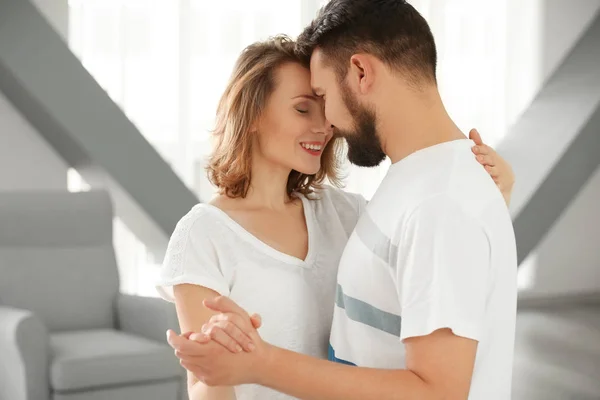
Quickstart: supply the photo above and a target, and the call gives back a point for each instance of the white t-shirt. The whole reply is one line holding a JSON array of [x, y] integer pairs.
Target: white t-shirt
[[434, 249], [293, 296]]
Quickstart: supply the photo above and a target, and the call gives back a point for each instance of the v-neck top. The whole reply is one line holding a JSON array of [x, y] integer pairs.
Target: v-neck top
[[309, 217], [294, 297]]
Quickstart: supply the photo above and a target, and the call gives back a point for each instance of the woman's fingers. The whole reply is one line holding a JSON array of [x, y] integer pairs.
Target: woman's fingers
[[493, 171], [500, 171], [256, 320], [486, 159], [475, 136], [483, 149]]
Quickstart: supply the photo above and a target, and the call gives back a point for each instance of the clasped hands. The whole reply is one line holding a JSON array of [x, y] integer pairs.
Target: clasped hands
[[228, 351]]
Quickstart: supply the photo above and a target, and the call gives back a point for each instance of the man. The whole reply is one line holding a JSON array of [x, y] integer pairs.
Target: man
[[426, 300]]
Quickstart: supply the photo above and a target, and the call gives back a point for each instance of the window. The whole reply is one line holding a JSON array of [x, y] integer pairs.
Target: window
[[165, 63]]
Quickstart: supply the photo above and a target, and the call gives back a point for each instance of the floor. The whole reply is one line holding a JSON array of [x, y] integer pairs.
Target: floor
[[557, 354]]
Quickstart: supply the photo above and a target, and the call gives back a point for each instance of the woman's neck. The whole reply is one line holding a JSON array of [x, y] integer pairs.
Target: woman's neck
[[268, 186]]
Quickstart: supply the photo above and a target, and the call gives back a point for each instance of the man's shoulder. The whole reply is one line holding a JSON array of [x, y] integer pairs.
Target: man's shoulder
[[458, 192]]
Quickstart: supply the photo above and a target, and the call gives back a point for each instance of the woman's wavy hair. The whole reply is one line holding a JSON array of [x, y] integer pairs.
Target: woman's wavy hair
[[242, 104]]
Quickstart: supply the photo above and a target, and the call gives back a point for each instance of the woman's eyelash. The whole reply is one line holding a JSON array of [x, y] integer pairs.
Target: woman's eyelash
[[302, 111]]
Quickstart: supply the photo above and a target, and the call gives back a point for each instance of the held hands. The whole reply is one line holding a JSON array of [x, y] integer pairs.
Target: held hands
[[228, 351], [500, 170]]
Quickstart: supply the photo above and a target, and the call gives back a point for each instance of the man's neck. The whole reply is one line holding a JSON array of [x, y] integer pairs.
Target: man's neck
[[412, 123]]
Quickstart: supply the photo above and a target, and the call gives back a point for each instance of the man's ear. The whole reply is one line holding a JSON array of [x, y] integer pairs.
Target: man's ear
[[362, 73]]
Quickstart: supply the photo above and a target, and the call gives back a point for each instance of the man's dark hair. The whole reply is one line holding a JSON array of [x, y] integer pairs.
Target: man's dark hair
[[391, 30]]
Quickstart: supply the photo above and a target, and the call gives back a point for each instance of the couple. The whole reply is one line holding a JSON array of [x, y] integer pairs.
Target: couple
[[413, 295]]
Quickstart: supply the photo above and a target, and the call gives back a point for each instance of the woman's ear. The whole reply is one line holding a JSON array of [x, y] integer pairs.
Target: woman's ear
[[254, 128]]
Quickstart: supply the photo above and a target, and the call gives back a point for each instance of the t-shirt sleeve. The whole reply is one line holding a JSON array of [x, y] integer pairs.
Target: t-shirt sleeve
[[191, 257], [442, 271]]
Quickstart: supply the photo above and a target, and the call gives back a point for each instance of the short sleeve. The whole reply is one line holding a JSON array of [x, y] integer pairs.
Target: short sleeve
[[442, 271], [191, 257]]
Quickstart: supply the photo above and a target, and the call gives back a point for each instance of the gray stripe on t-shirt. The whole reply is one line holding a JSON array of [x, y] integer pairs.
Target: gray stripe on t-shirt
[[369, 233], [359, 311]]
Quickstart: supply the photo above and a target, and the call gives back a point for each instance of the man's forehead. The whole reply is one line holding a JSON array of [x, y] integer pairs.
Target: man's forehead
[[316, 58], [316, 69]]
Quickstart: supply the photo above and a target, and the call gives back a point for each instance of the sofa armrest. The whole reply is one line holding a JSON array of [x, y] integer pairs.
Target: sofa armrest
[[24, 360], [148, 317]]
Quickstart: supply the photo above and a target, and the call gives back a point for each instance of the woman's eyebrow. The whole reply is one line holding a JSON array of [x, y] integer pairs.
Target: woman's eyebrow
[[306, 96]]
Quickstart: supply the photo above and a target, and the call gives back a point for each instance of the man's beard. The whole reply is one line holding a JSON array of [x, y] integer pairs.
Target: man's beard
[[364, 146]]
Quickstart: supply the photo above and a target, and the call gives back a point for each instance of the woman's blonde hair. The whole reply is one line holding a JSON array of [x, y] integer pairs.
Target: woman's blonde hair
[[242, 104]]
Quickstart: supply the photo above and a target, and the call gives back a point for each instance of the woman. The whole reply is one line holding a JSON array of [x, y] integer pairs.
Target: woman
[[271, 240]]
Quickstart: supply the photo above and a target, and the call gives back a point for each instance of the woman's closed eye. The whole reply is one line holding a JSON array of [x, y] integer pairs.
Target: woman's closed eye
[[308, 106]]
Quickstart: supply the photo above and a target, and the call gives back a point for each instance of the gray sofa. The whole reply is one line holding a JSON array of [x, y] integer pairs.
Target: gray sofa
[[66, 333]]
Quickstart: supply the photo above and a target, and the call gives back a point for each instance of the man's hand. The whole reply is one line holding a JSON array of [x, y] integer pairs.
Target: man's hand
[[232, 327], [444, 359], [213, 356], [498, 168], [229, 330]]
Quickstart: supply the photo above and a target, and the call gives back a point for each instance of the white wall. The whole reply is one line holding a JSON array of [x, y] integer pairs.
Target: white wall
[[26, 160], [540, 35], [568, 259], [564, 22], [567, 262]]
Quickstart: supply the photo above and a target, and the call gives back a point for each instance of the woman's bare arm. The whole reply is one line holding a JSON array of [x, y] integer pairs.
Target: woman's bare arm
[[192, 315]]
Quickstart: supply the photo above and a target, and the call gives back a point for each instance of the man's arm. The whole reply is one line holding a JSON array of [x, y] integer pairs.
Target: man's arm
[[440, 366], [442, 278]]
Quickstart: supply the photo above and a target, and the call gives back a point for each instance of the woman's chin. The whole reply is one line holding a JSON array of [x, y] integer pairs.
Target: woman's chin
[[308, 169]]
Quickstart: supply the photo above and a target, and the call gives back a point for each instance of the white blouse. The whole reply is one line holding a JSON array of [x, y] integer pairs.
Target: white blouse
[[294, 297]]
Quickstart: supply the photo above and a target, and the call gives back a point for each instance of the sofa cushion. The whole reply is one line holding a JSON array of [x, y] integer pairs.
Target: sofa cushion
[[90, 359]]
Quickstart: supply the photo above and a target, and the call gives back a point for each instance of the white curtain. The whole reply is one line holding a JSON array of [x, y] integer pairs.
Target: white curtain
[[165, 63]]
